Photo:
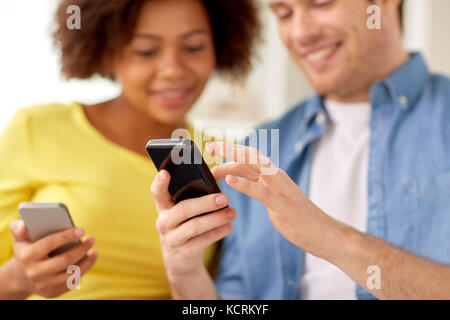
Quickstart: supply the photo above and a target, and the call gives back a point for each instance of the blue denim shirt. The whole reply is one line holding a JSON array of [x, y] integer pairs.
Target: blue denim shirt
[[408, 185]]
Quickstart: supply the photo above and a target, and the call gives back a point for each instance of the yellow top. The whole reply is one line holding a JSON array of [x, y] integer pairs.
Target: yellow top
[[52, 153]]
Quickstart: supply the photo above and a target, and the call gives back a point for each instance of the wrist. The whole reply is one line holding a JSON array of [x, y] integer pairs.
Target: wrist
[[18, 288], [322, 236], [343, 244], [180, 276], [196, 285]]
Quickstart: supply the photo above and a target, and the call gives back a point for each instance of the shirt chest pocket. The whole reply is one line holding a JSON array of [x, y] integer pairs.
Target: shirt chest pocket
[[428, 205], [429, 187]]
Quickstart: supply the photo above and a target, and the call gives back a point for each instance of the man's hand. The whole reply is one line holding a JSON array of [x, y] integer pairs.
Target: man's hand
[[403, 276], [297, 218]]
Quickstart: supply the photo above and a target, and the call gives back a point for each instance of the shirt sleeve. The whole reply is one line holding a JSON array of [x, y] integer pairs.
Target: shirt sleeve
[[230, 279], [15, 177]]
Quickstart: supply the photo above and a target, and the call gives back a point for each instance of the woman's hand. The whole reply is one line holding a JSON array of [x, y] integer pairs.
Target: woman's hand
[[184, 237], [37, 273], [296, 217]]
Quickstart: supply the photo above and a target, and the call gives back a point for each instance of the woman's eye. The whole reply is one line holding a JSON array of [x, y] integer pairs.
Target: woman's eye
[[192, 49], [145, 53]]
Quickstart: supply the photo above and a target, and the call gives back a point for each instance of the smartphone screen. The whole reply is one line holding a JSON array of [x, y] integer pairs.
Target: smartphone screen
[[190, 175]]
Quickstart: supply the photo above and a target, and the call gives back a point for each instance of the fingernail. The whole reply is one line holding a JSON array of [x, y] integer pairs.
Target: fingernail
[[13, 225], [232, 179], [162, 176], [93, 253], [91, 240], [221, 200], [231, 213], [79, 232]]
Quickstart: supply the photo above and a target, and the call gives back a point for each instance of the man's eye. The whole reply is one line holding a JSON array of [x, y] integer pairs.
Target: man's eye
[[285, 16], [283, 13], [322, 3]]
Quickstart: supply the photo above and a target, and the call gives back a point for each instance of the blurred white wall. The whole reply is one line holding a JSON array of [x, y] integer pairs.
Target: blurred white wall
[[29, 67], [427, 30], [440, 38]]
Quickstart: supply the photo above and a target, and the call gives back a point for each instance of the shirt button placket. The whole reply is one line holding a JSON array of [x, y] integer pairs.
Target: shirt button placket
[[299, 147]]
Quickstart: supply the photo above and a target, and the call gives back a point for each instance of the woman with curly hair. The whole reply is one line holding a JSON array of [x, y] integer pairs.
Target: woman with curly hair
[[92, 157]]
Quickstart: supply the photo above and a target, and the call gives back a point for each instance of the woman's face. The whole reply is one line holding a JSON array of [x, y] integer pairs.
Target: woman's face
[[165, 67]]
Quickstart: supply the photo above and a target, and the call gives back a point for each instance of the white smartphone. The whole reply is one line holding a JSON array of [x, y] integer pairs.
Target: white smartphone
[[43, 219]]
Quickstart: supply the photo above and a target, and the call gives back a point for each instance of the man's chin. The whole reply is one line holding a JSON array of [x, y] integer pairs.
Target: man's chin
[[325, 89], [327, 83]]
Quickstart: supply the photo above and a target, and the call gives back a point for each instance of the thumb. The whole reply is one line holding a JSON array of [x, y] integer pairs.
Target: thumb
[[19, 231], [160, 190]]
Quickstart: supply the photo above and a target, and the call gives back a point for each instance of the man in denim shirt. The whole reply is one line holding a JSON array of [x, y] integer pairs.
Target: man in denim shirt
[[385, 232]]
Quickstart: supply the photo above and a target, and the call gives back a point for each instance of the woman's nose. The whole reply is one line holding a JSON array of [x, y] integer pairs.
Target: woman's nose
[[171, 66]]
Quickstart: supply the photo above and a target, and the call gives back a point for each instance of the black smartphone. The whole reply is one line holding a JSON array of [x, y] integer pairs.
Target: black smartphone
[[190, 175]]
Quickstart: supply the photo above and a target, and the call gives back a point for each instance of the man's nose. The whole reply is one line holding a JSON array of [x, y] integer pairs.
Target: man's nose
[[305, 30]]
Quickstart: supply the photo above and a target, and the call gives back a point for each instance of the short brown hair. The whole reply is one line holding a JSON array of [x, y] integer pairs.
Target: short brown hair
[[108, 25]]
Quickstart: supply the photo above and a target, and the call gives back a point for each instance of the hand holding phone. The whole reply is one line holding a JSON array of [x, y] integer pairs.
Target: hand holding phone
[[40, 266], [192, 212], [190, 175], [43, 219]]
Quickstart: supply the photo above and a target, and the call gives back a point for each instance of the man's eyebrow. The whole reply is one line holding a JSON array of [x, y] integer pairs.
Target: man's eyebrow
[[280, 3], [276, 4]]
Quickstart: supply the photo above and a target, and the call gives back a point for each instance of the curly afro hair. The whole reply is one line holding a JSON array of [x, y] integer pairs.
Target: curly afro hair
[[108, 25]]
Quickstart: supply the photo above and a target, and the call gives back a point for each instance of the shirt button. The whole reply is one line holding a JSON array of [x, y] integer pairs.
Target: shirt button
[[299, 147], [320, 118], [403, 101]]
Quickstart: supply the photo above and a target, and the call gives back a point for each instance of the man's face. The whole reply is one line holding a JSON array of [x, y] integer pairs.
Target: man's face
[[330, 41]]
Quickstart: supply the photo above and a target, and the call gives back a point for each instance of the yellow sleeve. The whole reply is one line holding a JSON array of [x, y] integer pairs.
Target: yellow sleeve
[[15, 177]]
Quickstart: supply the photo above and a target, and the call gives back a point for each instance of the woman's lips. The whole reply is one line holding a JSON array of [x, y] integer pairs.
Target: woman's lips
[[172, 97]]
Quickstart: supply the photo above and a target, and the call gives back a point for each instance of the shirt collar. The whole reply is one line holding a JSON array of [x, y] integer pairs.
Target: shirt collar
[[309, 129], [313, 107], [404, 85], [402, 88]]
